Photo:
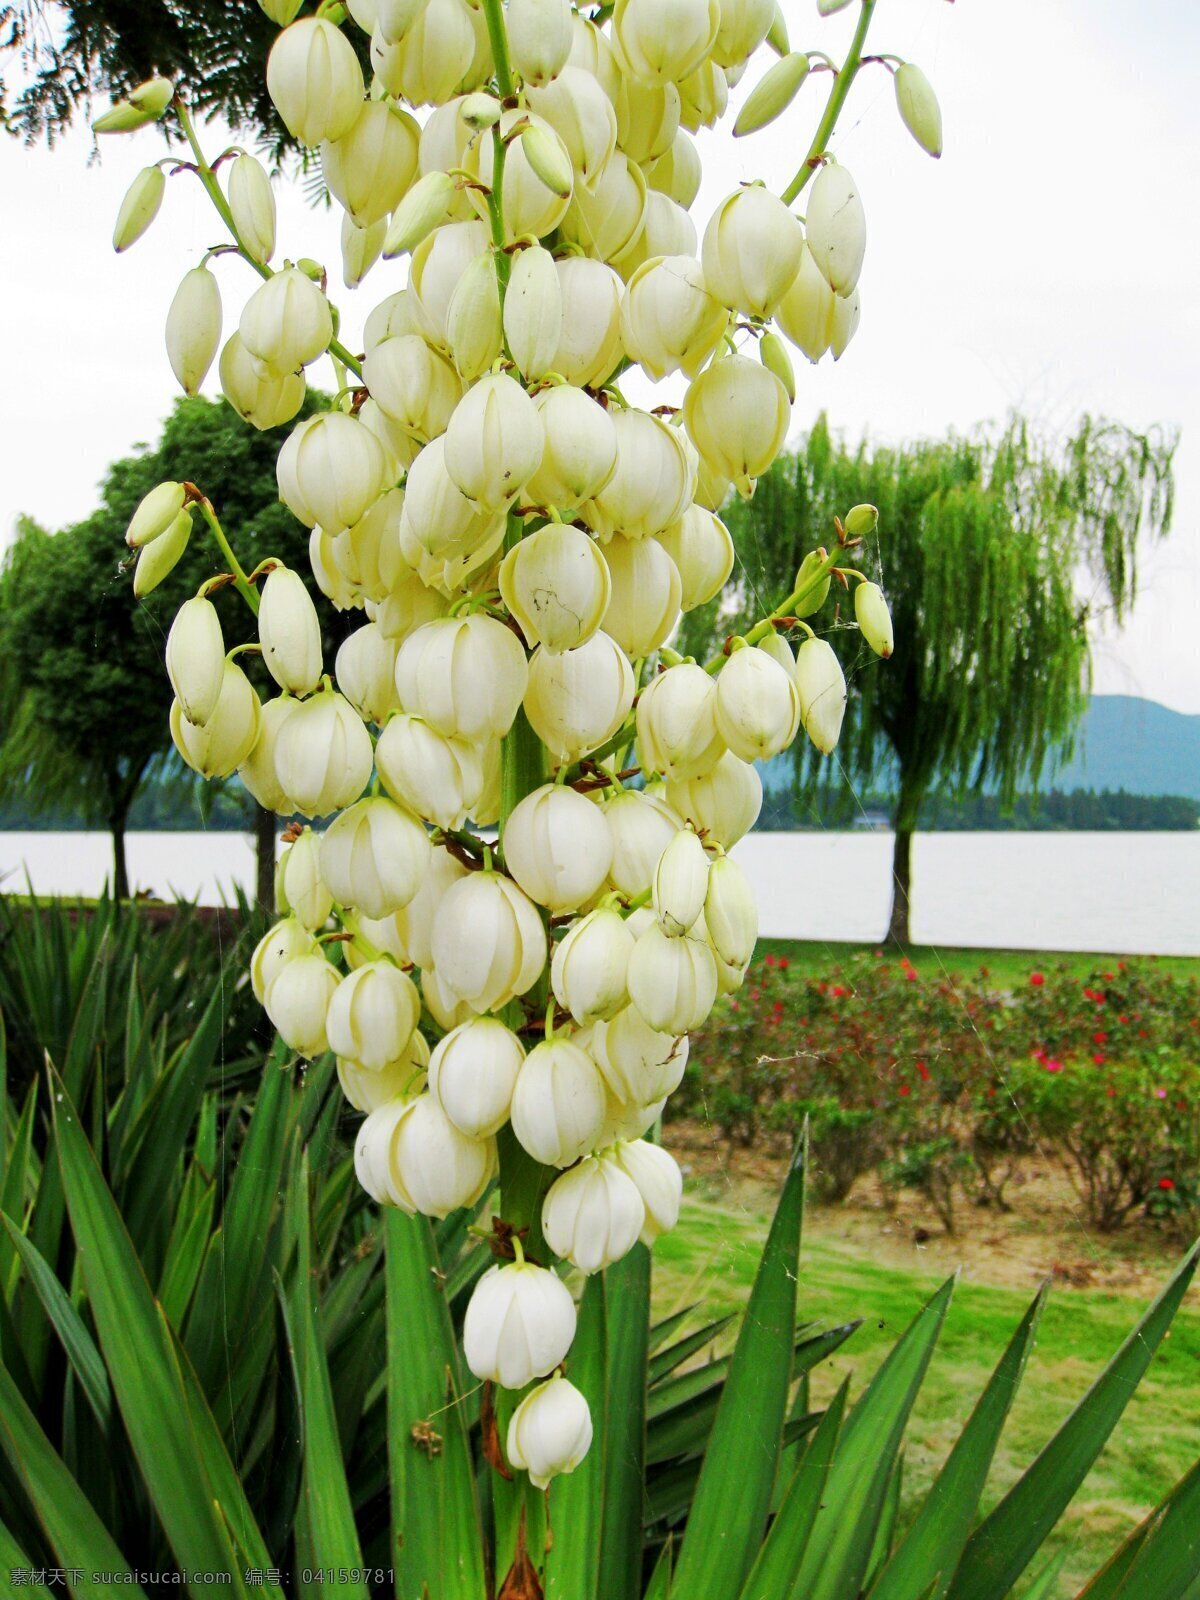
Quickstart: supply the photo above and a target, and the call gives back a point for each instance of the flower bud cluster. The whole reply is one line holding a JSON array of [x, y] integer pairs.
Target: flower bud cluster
[[487, 938]]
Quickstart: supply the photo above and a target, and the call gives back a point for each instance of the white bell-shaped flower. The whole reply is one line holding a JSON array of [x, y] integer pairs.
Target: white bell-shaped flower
[[365, 669], [412, 384], [663, 44], [577, 699], [474, 330], [873, 617], [439, 778], [519, 1324], [751, 251], [730, 913], [252, 205], [323, 755], [314, 80], [438, 520], [414, 922], [677, 173], [590, 964], [336, 469], [590, 348], [399, 1080], [370, 168], [837, 227], [641, 825], [193, 328], [257, 771], [667, 230], [447, 1009], [373, 1014], [555, 582], [593, 1214], [287, 322], [808, 312], [261, 396], [703, 97], [580, 448], [432, 59], [230, 733], [375, 856], [464, 675], [640, 1065], [607, 219], [701, 547], [584, 118], [373, 1161], [723, 803], [646, 593], [533, 312], [493, 441], [558, 847], [744, 26], [658, 1180], [369, 938], [538, 179], [409, 605], [672, 982], [297, 1001], [670, 321], [488, 942], [758, 705], [550, 1432], [438, 262], [539, 37], [821, 684], [680, 883], [438, 1167], [196, 659], [736, 414], [299, 886], [652, 484], [677, 728], [289, 632], [558, 1105], [284, 942], [473, 1072]]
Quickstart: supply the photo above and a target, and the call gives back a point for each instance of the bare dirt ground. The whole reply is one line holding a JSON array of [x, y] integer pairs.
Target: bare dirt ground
[[1046, 1234]]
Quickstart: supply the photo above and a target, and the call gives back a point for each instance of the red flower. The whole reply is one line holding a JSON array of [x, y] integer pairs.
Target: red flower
[[782, 963], [1037, 979], [1054, 1066], [924, 1071], [769, 961], [1100, 1038], [1098, 1058], [1166, 1183], [904, 1089]]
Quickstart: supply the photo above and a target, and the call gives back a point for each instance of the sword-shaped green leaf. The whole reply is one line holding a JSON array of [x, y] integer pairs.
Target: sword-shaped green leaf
[[733, 1494], [627, 1329], [839, 1551], [1162, 1554], [577, 1505], [1007, 1540], [939, 1532]]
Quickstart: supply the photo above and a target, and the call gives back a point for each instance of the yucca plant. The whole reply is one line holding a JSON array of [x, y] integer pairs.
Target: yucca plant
[[217, 1358]]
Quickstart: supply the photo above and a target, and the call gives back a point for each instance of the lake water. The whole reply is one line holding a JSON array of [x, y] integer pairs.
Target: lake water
[[1113, 892]]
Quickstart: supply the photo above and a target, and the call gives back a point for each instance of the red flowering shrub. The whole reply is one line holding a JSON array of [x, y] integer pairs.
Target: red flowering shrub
[[947, 1085]]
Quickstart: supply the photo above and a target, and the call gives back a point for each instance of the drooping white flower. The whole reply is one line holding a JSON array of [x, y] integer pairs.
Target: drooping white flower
[[680, 883], [641, 1065], [751, 251], [228, 735], [672, 982], [758, 705], [365, 669], [371, 166], [641, 826], [287, 940], [677, 728], [736, 414], [670, 320], [286, 323], [593, 1214], [373, 1014], [289, 632], [550, 1432], [252, 204], [730, 913], [299, 886], [837, 227], [323, 755], [557, 846], [374, 857], [577, 699], [555, 581], [874, 618], [193, 329], [440, 778], [659, 1182], [590, 963], [590, 345], [488, 943], [519, 1324], [257, 771], [646, 592], [652, 484], [701, 547], [723, 802], [196, 659], [558, 1105], [464, 675], [472, 1073], [399, 1080], [314, 80], [822, 688], [297, 1001]]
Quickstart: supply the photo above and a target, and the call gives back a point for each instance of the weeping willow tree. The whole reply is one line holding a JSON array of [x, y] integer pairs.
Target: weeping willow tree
[[995, 553]]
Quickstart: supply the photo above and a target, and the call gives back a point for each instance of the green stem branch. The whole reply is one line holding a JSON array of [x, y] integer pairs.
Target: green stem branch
[[833, 107], [241, 582]]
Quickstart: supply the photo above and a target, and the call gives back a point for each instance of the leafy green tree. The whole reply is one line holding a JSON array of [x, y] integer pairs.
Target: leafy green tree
[[995, 553], [83, 694], [68, 52]]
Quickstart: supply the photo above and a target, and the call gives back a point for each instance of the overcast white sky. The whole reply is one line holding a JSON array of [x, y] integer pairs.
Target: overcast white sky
[[1048, 262]]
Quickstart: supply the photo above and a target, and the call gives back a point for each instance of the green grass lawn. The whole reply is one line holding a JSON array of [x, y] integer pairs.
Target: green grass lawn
[[711, 1259], [819, 958]]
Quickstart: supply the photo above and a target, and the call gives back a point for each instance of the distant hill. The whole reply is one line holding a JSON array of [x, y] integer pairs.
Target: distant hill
[[1135, 745], [1123, 743]]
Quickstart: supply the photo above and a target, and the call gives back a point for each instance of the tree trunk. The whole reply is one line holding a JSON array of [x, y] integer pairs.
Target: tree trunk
[[901, 883], [116, 826], [264, 845]]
